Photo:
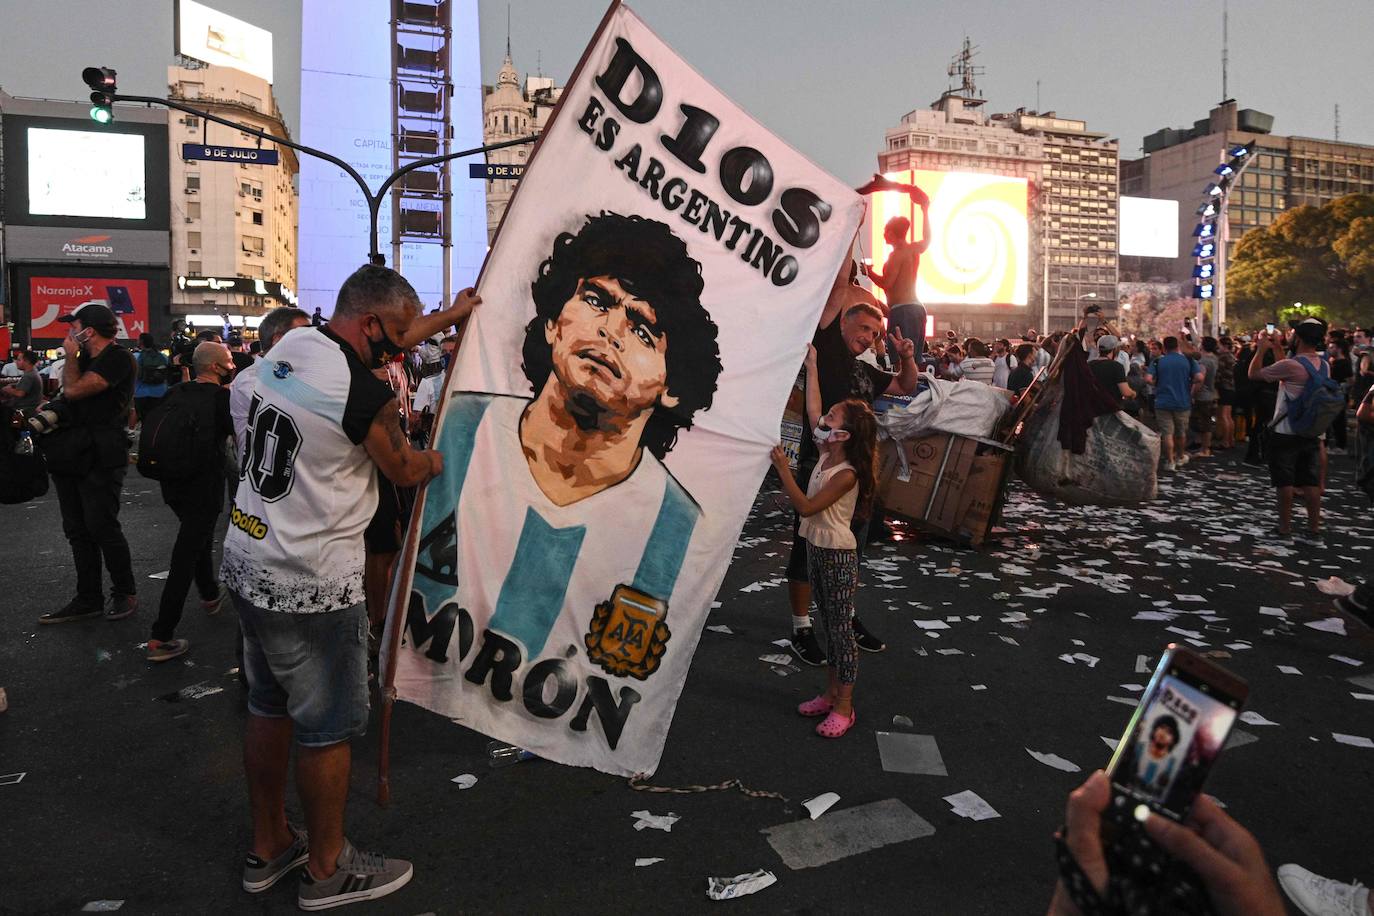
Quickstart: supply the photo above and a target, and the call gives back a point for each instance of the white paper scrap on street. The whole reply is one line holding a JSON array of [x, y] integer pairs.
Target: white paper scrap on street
[[1328, 625], [1054, 760], [102, 906], [654, 860], [1289, 669], [662, 822], [739, 885], [1347, 660], [585, 598], [465, 780], [968, 804], [1352, 740], [820, 804], [1250, 717]]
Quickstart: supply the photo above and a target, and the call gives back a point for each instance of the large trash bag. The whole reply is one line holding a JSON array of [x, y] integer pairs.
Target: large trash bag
[[964, 408], [1117, 467]]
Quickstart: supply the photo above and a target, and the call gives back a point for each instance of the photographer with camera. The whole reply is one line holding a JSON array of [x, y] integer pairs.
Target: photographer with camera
[[88, 456]]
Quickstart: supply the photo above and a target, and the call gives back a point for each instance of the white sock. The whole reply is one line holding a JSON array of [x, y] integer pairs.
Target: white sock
[[799, 623]]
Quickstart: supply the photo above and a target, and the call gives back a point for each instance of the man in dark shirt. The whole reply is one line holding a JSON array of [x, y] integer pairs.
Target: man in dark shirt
[[1109, 372], [25, 394], [196, 501], [1024, 373], [88, 457], [851, 324]]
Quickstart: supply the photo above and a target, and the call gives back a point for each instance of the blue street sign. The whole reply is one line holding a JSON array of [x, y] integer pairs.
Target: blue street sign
[[493, 170], [246, 155]]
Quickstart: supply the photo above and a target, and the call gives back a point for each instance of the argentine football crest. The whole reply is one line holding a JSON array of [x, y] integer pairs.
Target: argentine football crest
[[629, 633]]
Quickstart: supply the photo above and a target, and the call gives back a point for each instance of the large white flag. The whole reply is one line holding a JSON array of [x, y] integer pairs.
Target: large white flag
[[650, 296]]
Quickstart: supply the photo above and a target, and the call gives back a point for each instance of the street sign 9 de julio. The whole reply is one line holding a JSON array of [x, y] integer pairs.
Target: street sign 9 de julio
[[246, 155]]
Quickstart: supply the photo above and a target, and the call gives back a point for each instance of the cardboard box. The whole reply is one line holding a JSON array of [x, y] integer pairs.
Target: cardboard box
[[950, 490]]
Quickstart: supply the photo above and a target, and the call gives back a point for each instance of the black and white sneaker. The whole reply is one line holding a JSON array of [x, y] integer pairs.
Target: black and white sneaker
[[866, 640], [360, 876], [803, 645], [259, 874]]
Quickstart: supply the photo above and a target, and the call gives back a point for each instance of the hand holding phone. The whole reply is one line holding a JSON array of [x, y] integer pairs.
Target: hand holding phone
[[1224, 855], [1159, 766]]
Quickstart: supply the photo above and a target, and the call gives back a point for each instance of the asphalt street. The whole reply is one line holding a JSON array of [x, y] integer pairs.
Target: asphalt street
[[132, 786]]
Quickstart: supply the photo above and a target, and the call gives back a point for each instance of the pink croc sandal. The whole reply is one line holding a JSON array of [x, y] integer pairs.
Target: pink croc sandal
[[817, 706], [835, 725]]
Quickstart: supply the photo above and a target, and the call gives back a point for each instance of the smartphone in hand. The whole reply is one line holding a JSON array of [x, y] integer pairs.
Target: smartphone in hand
[[1176, 734], [1171, 743]]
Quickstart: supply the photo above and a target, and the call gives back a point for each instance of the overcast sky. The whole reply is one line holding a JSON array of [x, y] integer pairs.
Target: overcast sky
[[831, 77]]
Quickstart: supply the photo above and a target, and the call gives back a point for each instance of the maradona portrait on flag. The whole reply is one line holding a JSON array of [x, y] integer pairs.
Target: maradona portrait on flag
[[608, 420]]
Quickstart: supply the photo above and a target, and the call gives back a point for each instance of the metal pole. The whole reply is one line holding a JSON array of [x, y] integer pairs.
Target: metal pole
[[373, 200], [1045, 291], [395, 149]]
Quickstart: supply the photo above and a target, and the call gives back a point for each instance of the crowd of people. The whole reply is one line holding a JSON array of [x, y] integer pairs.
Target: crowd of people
[[207, 416]]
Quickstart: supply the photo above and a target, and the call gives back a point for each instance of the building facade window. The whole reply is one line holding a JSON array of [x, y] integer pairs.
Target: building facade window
[[193, 240]]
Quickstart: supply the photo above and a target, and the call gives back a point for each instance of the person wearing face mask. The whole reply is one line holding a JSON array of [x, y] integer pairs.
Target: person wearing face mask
[[195, 500], [851, 324], [320, 428], [88, 456]]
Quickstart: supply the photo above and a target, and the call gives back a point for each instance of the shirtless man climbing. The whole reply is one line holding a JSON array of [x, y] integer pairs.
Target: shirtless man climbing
[[898, 281]]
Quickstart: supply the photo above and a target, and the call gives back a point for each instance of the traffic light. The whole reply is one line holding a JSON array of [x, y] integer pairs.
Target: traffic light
[[103, 89]]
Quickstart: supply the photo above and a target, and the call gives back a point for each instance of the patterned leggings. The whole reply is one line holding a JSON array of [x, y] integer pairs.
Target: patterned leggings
[[834, 575]]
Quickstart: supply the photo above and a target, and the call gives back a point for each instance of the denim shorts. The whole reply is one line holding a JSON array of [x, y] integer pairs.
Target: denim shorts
[[310, 667]]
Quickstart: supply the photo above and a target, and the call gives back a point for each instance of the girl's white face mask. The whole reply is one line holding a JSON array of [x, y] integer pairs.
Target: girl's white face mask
[[823, 434]]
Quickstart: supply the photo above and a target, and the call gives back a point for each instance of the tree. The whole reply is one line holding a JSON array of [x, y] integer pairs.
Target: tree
[[1319, 256]]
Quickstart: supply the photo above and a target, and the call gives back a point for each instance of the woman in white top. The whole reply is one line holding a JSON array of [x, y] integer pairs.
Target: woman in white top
[[842, 484]]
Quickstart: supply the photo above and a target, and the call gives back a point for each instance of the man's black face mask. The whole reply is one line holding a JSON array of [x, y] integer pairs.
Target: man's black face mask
[[385, 348]]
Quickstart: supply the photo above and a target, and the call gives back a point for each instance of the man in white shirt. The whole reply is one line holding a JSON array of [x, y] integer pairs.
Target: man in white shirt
[[320, 427], [274, 326]]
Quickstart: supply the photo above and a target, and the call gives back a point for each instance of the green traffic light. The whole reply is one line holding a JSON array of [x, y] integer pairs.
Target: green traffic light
[[101, 115]]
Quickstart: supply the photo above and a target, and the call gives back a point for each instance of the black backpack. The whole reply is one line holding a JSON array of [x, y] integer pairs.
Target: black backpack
[[178, 438], [152, 367]]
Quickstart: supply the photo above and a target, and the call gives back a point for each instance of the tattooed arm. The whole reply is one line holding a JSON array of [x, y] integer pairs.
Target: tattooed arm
[[398, 462]]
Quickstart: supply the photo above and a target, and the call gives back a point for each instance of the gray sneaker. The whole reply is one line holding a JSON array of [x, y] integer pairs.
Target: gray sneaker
[[360, 876], [259, 874]]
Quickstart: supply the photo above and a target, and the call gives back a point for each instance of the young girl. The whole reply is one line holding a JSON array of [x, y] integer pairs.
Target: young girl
[[841, 486]]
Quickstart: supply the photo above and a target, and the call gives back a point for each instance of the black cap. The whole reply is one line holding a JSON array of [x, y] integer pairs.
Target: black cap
[[93, 315], [1311, 331]]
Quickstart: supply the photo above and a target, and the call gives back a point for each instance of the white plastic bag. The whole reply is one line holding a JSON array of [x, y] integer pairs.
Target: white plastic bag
[[964, 408]]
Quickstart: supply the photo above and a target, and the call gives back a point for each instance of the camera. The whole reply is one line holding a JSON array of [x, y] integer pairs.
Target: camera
[[56, 413]]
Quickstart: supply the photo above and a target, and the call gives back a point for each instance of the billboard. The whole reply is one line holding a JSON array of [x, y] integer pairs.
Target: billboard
[[86, 173], [218, 38], [74, 174], [1149, 227], [52, 297], [978, 253], [346, 99]]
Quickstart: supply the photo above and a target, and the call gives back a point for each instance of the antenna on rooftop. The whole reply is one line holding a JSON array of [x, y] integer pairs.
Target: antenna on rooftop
[[1225, 44], [962, 66]]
